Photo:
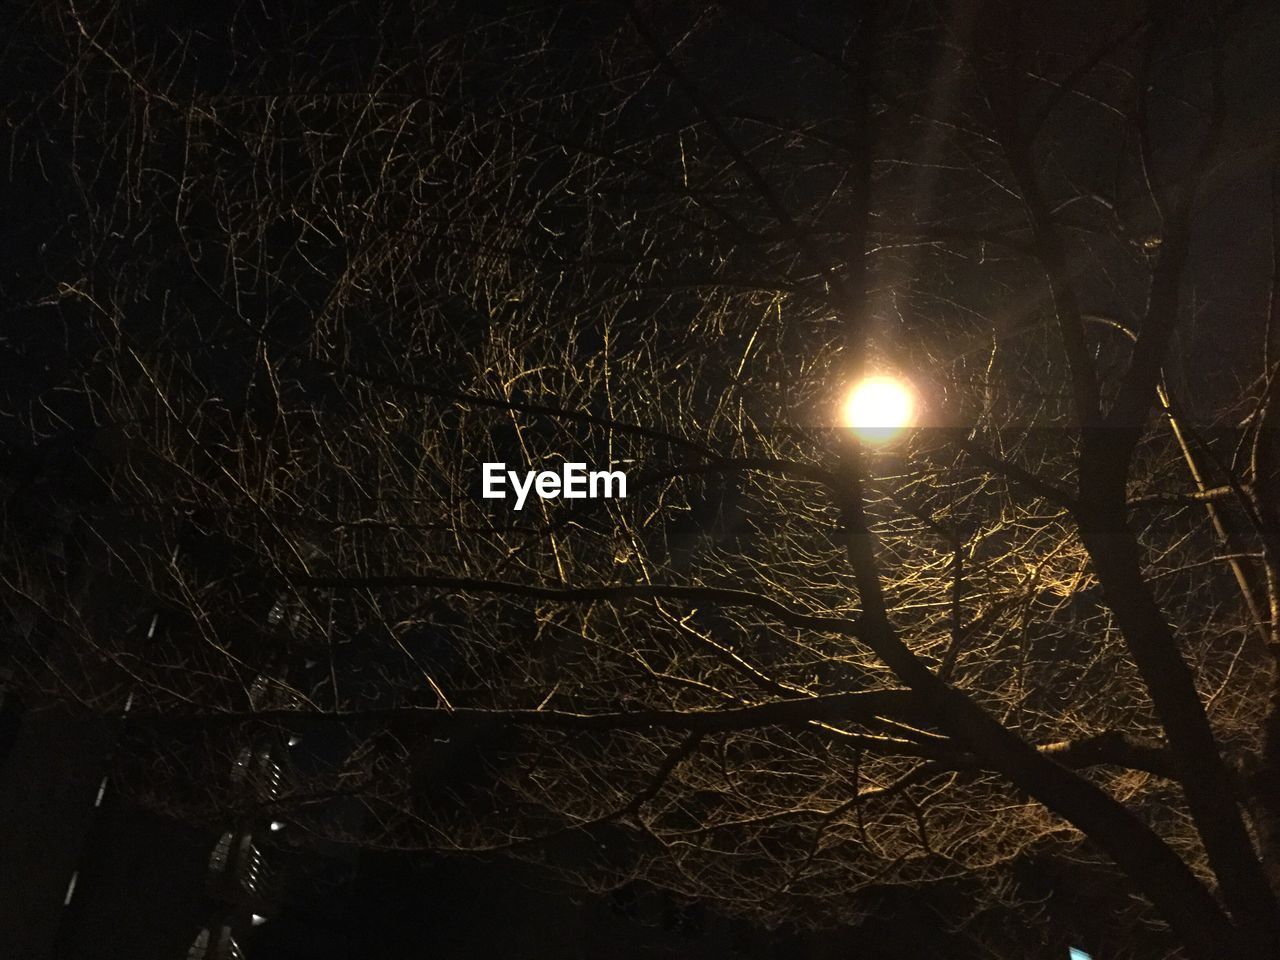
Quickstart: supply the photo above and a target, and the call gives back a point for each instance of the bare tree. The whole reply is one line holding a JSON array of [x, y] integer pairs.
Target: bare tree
[[304, 286]]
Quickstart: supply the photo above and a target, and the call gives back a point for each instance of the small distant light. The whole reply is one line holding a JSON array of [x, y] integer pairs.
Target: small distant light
[[294, 740], [71, 889], [102, 788], [277, 826], [257, 920], [1077, 954]]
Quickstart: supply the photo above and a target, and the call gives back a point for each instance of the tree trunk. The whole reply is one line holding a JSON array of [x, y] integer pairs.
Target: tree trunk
[[1210, 789]]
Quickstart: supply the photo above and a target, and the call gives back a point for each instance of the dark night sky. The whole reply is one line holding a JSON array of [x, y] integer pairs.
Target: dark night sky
[[381, 906]]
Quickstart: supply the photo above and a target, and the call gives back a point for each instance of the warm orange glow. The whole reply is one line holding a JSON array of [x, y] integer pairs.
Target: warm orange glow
[[880, 408]]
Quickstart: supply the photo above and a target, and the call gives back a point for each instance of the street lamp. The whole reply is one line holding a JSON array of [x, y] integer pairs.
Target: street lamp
[[879, 408]]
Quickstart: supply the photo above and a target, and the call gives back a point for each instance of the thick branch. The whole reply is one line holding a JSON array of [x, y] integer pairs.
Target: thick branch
[[1114, 748], [520, 406], [866, 706]]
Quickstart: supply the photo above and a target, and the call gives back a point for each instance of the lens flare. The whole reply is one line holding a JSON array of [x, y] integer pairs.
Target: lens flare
[[880, 408]]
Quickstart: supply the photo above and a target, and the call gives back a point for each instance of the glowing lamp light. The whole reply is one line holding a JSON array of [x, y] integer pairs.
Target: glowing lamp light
[[879, 408]]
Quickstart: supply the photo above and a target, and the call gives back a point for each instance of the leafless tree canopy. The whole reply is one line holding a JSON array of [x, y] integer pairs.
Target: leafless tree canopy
[[286, 283]]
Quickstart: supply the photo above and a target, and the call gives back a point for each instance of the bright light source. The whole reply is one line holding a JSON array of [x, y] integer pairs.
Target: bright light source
[[1078, 954], [879, 408]]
